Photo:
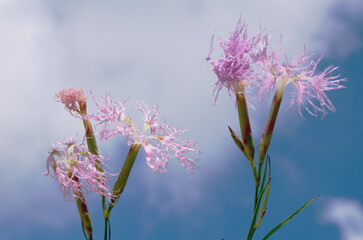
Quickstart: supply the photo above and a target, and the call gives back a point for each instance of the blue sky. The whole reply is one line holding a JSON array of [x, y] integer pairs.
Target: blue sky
[[155, 52]]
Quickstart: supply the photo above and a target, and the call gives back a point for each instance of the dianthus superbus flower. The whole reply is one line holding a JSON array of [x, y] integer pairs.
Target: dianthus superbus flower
[[159, 140], [240, 68], [76, 169], [310, 89], [239, 64], [310, 85]]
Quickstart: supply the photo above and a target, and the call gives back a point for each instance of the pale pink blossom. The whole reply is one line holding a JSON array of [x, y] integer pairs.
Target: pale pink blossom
[[72, 98], [310, 86], [240, 62], [76, 169], [110, 115], [160, 141]]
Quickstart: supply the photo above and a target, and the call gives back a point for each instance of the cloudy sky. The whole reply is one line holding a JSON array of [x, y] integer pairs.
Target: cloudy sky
[[154, 51]]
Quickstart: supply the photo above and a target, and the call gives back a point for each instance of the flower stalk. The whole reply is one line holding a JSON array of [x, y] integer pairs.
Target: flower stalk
[[80, 171], [247, 147], [92, 147], [270, 123], [85, 216], [121, 181], [244, 122], [250, 66], [83, 209]]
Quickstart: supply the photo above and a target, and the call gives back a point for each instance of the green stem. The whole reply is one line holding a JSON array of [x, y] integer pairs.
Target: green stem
[[109, 229], [92, 147], [253, 222], [84, 215], [256, 209], [84, 232], [270, 123], [106, 223], [258, 185], [255, 206], [260, 189], [245, 126], [82, 208], [121, 181], [246, 132], [91, 142]]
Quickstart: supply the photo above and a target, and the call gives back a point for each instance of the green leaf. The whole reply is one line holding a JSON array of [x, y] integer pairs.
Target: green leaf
[[237, 140], [264, 206], [265, 171], [256, 210], [243, 148], [288, 219], [84, 232]]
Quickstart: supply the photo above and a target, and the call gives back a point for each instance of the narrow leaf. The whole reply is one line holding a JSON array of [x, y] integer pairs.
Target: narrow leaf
[[264, 206], [265, 170], [288, 219], [256, 210], [84, 232], [237, 140]]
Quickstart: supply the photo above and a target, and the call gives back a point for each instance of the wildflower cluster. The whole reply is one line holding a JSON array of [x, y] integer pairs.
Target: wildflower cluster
[[250, 63], [250, 69], [249, 60], [81, 171], [78, 170]]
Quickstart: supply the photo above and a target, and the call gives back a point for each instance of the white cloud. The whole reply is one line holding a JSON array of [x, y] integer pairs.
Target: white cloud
[[347, 214], [342, 31]]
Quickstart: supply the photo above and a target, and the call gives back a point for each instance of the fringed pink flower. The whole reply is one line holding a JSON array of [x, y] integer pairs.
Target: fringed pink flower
[[73, 99], [310, 86], [160, 141], [239, 64], [76, 169]]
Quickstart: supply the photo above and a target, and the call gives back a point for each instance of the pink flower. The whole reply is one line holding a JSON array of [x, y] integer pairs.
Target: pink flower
[[160, 141], [242, 53], [76, 169], [110, 114], [73, 99], [310, 86]]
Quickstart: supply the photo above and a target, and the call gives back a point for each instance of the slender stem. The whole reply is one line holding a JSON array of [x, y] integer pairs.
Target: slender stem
[[91, 142], [270, 123], [105, 236], [255, 212], [109, 229], [257, 186], [84, 232], [121, 181], [246, 132], [245, 126], [255, 209], [84, 214], [92, 147]]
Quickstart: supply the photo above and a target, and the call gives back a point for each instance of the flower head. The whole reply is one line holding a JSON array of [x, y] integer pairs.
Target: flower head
[[73, 99], [160, 141], [310, 86], [239, 64], [76, 169]]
